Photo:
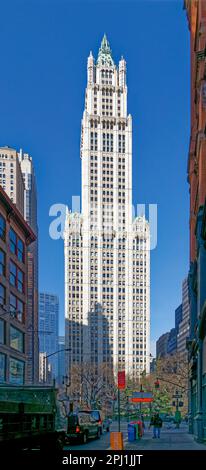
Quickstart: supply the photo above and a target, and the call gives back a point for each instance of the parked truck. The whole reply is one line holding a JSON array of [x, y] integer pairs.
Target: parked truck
[[28, 418]]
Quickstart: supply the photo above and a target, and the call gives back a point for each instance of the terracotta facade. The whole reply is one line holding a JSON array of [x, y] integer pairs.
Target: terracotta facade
[[15, 238]]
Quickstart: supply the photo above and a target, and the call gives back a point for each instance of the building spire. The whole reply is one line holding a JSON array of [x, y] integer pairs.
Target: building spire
[[105, 53]]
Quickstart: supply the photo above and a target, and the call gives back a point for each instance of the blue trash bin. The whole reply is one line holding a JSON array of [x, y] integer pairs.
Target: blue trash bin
[[131, 432]]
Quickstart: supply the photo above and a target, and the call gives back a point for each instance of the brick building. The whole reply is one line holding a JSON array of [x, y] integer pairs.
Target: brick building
[[196, 14], [15, 238]]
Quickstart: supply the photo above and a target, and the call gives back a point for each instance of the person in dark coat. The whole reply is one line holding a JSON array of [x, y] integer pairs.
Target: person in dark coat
[[156, 422]]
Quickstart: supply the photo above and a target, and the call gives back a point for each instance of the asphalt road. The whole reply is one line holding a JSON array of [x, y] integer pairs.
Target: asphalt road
[[98, 444], [169, 432]]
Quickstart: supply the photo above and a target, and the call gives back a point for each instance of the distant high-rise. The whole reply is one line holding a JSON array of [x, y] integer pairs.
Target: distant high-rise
[[45, 369], [11, 178], [161, 345], [49, 328], [61, 359], [30, 215], [107, 252], [172, 341], [178, 317], [184, 325]]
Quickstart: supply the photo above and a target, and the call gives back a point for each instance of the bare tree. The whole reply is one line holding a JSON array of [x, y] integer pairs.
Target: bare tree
[[92, 386], [172, 373]]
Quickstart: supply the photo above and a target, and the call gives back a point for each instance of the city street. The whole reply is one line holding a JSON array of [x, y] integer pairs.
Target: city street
[[99, 444], [171, 439], [93, 444], [103, 232]]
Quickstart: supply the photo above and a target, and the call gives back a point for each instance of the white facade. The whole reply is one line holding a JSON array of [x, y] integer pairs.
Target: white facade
[[30, 203], [30, 215], [30, 194], [107, 262], [11, 178], [45, 369]]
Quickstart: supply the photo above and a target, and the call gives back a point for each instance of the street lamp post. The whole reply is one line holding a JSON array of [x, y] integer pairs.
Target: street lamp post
[[49, 355], [177, 403]]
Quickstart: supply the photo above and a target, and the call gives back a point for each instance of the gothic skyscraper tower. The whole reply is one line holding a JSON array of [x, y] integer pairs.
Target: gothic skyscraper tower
[[107, 266]]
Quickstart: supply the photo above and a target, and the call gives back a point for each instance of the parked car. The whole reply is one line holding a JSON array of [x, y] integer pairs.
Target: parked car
[[82, 426], [96, 415]]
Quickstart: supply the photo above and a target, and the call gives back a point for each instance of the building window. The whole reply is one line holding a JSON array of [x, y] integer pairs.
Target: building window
[[2, 263], [121, 143], [16, 308], [13, 274], [2, 331], [16, 245], [16, 339], [20, 250], [2, 368], [16, 371], [16, 277], [93, 141], [12, 241], [2, 295], [2, 228], [107, 142]]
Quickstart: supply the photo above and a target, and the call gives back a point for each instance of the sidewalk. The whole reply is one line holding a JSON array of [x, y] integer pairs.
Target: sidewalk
[[173, 439]]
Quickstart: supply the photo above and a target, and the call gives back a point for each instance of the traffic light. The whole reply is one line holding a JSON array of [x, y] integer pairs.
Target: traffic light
[[71, 407], [157, 384]]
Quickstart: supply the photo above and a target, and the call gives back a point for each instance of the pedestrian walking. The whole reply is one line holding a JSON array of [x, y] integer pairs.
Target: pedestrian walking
[[156, 422]]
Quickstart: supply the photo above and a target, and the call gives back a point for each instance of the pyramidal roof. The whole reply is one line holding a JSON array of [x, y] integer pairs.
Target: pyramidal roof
[[105, 53]]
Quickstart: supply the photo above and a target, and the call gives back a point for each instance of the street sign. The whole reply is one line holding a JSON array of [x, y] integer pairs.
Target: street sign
[[141, 400], [141, 397], [121, 380]]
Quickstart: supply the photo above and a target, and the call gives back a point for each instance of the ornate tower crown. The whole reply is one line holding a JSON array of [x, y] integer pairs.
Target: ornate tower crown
[[105, 53]]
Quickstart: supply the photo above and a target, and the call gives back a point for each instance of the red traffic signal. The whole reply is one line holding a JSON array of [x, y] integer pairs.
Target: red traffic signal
[[157, 384]]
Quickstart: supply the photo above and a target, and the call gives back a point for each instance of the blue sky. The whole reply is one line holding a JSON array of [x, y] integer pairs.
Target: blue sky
[[43, 51]]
